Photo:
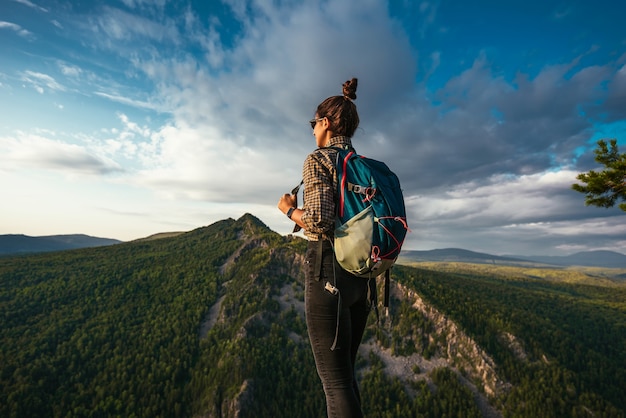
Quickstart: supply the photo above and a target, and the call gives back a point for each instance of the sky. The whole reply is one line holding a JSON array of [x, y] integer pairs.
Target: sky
[[123, 119]]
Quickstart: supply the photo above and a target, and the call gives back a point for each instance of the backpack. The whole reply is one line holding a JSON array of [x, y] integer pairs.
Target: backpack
[[371, 224]]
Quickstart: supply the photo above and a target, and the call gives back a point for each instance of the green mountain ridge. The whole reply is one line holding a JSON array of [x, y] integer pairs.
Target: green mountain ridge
[[209, 323]]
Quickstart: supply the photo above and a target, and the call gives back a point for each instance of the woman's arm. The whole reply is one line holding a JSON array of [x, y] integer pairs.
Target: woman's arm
[[288, 201]]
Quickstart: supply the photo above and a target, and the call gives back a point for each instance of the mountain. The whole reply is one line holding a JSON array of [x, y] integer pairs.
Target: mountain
[[20, 244], [454, 255], [606, 259], [210, 323]]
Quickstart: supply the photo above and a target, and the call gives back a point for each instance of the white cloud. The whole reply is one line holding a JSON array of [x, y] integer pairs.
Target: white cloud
[[202, 164], [40, 81], [118, 25], [509, 212], [133, 4], [241, 135], [127, 101], [503, 200], [70, 70], [16, 28], [32, 5], [32, 151]]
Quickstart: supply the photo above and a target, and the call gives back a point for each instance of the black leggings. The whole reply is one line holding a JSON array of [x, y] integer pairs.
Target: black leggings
[[335, 366]]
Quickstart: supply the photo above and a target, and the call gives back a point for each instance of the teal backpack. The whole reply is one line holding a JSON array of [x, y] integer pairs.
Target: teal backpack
[[371, 218]]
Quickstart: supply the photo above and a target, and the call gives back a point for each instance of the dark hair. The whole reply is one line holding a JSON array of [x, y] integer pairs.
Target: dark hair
[[341, 111]]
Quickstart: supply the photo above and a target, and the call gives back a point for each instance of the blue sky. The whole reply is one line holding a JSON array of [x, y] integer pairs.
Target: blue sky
[[122, 119]]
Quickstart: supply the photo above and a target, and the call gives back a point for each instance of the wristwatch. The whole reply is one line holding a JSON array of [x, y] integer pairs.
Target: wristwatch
[[290, 212]]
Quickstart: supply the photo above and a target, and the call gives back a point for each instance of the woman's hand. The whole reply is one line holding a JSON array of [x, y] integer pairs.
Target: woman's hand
[[287, 201]]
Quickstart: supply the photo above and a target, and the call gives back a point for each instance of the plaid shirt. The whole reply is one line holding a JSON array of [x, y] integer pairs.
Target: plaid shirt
[[320, 189]]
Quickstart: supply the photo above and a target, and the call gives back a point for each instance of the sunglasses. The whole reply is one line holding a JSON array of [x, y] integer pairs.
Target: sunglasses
[[314, 121]]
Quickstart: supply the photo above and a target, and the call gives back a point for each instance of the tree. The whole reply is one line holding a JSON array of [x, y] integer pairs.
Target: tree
[[605, 188]]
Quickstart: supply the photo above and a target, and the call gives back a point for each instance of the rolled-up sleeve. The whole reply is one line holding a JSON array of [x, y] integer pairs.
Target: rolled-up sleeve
[[318, 173]]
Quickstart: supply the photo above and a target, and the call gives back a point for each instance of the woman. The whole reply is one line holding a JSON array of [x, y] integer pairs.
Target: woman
[[336, 303]]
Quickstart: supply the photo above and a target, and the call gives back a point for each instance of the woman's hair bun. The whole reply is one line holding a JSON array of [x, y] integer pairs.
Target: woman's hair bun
[[349, 89]]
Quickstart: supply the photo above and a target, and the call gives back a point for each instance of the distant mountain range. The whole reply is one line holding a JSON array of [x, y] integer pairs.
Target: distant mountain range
[[606, 259], [23, 244], [610, 259]]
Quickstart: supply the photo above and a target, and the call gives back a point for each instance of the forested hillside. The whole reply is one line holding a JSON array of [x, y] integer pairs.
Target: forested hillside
[[210, 323]]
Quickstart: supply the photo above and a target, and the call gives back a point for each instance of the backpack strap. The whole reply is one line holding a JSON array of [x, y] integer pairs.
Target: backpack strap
[[294, 191], [374, 301], [387, 291]]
